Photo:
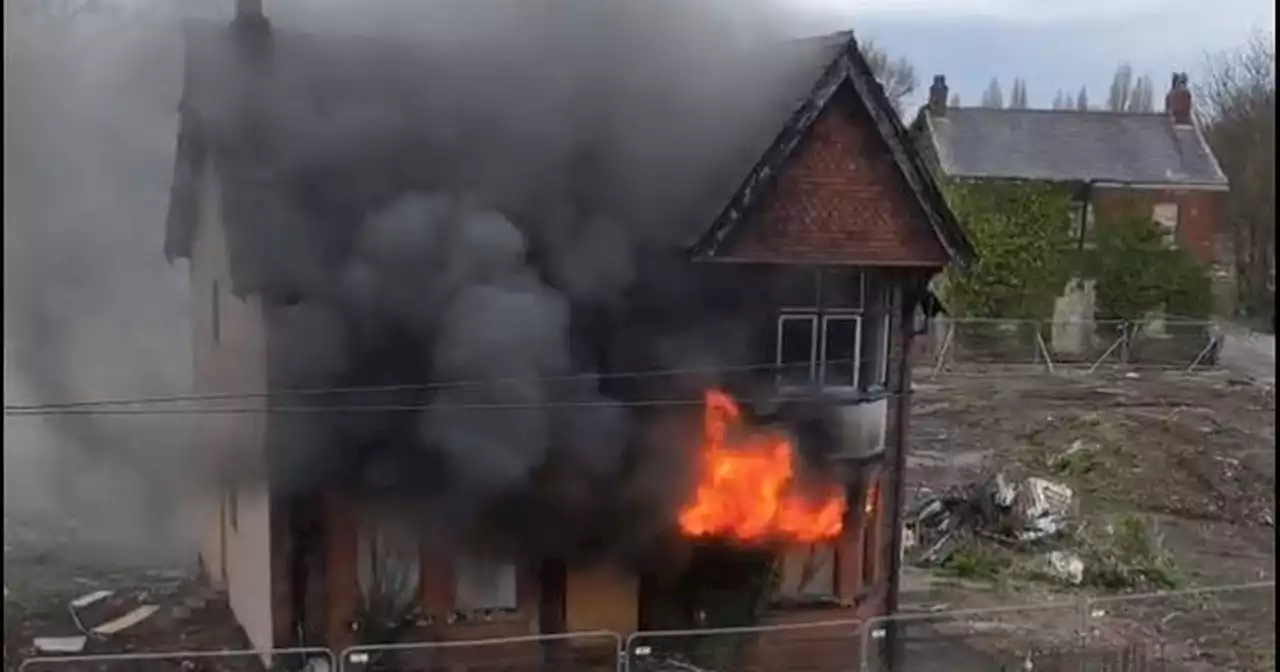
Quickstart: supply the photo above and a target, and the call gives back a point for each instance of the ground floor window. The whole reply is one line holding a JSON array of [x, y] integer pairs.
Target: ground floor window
[[483, 583]]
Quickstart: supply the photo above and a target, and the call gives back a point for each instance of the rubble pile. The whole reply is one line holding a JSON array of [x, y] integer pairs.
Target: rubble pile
[[1023, 516]]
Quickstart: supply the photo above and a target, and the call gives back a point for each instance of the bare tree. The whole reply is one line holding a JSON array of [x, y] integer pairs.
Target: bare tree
[[955, 100], [993, 96], [1018, 97], [896, 76], [1237, 103], [1142, 96], [1128, 94], [1121, 88], [1082, 100]]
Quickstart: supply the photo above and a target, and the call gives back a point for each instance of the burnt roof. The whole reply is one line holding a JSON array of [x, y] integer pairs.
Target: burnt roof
[[1072, 146], [309, 77]]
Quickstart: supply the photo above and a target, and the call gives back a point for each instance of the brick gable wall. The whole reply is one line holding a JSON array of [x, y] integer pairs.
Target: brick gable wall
[[840, 199]]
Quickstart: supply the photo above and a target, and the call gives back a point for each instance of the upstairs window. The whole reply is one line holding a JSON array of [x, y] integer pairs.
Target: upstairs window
[[840, 341]]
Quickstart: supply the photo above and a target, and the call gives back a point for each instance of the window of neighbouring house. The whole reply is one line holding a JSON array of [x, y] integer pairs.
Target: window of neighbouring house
[[483, 583], [1082, 224], [1165, 216], [807, 572]]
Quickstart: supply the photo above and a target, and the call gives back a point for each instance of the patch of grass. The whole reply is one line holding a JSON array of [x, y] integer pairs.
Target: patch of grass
[[1129, 555], [977, 561]]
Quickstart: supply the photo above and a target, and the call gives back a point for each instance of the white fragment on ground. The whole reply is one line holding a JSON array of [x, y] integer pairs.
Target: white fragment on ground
[[127, 621], [1067, 567], [60, 644], [96, 596]]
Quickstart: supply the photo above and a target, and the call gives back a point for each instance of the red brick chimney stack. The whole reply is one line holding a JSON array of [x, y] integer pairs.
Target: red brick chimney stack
[[1177, 103], [249, 9], [938, 96]]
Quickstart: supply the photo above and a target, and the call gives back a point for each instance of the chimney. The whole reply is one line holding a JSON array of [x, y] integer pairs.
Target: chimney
[[1177, 103], [250, 25], [249, 10], [938, 96]]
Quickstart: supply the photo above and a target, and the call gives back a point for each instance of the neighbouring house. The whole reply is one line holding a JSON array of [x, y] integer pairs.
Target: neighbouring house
[[1111, 159], [824, 231]]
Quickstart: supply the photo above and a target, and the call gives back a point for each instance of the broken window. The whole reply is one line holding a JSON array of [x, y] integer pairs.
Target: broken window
[[874, 347], [840, 347], [1165, 216], [388, 564], [807, 572], [797, 348], [483, 583]]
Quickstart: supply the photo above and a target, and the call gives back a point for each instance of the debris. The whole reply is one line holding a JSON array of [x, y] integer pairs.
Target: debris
[[60, 644], [1010, 513], [127, 621], [1065, 566], [96, 596], [1044, 499]]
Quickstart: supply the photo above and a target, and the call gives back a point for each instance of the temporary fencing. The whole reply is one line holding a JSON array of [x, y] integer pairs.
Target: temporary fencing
[[824, 646], [185, 661], [1231, 627], [1228, 628], [596, 651], [966, 342]]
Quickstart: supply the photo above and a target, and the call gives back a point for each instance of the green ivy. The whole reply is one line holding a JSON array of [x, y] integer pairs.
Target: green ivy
[[1022, 234], [1138, 272]]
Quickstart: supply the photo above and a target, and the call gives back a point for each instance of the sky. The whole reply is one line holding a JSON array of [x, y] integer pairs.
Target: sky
[[1051, 44]]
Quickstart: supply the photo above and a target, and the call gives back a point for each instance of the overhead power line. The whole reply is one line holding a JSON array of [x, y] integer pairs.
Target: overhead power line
[[16, 409]]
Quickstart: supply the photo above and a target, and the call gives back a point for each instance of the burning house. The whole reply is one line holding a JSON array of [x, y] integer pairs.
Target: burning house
[[548, 353]]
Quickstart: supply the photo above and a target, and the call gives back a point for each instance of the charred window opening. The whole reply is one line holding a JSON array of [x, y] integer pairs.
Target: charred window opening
[[484, 584], [806, 573]]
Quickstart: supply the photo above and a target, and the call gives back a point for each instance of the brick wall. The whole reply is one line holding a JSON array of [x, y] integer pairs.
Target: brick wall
[[1199, 215], [840, 199]]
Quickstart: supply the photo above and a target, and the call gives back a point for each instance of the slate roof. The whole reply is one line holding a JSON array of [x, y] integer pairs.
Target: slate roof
[[256, 100], [1070, 145]]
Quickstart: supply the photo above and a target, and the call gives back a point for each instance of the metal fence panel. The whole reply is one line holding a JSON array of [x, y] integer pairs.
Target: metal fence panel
[[1226, 628], [975, 344], [975, 640], [596, 651], [825, 646], [317, 659]]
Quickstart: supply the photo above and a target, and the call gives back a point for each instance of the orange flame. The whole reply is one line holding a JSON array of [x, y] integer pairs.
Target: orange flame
[[747, 485]]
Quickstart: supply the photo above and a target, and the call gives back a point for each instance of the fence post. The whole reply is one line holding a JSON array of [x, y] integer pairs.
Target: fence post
[[1044, 349], [946, 345], [1126, 344]]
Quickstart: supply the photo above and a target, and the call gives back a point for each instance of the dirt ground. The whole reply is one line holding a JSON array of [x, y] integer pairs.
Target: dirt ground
[[1190, 454], [45, 569]]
